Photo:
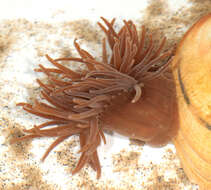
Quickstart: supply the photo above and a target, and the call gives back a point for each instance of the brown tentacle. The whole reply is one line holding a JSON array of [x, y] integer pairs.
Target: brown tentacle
[[53, 145]]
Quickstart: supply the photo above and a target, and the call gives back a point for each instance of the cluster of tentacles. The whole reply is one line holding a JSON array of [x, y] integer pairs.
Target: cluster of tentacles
[[74, 101]]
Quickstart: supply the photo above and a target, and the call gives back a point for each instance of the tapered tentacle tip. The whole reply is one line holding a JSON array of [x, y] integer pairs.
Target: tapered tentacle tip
[[138, 92], [98, 175], [21, 104], [76, 43], [48, 57], [37, 70], [102, 18], [43, 159]]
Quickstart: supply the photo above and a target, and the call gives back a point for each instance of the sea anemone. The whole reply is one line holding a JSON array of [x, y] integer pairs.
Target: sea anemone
[[126, 92]]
